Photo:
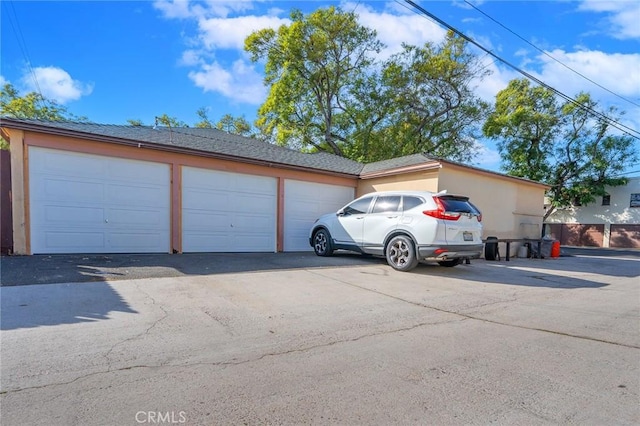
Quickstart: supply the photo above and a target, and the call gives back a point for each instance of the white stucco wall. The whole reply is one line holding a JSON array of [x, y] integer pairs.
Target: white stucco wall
[[619, 210]]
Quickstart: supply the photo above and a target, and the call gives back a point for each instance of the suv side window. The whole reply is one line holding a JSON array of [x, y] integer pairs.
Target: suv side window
[[409, 202], [386, 204], [358, 206]]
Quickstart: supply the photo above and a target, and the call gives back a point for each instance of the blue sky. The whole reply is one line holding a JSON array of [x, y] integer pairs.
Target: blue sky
[[113, 61]]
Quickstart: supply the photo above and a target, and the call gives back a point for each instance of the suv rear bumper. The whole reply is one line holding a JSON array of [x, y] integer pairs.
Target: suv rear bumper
[[472, 251]]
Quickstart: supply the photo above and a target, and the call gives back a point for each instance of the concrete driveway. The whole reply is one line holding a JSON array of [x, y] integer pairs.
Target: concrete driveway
[[522, 342]]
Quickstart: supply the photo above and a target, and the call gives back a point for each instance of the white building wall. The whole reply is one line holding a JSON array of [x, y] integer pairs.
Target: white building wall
[[618, 212]]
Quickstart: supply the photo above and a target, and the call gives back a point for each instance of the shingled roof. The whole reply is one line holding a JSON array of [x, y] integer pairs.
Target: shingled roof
[[196, 140], [220, 144]]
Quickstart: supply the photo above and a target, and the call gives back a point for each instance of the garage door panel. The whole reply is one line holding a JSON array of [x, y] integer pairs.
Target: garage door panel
[[253, 184], [64, 164], [142, 241], [76, 206], [227, 212], [204, 200], [87, 216], [625, 236], [195, 221], [253, 203], [61, 241], [250, 242], [252, 222], [304, 203], [138, 195], [209, 241], [130, 172], [67, 189], [136, 219]]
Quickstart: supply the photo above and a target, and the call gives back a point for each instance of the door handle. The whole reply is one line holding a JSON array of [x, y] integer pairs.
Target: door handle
[[391, 217]]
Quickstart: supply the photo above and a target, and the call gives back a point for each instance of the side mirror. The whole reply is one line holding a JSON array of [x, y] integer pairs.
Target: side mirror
[[340, 212]]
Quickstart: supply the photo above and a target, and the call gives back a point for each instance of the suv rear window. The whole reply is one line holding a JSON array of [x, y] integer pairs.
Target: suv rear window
[[459, 205]]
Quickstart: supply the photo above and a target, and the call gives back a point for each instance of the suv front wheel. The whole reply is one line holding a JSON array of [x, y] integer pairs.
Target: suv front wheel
[[322, 243], [401, 253]]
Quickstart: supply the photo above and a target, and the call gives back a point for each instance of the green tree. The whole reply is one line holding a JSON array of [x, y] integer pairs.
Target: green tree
[[564, 144], [32, 106], [234, 125], [434, 109], [312, 66], [228, 123], [166, 120], [135, 122], [205, 121], [328, 92]]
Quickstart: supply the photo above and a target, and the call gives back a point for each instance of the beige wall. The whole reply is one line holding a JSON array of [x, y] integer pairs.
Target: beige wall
[[415, 181], [18, 194], [510, 208]]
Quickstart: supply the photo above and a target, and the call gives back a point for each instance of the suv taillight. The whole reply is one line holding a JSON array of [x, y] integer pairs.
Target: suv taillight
[[440, 212]]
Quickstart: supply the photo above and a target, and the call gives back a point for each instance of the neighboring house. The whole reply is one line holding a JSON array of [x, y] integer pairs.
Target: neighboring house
[[90, 188], [612, 221]]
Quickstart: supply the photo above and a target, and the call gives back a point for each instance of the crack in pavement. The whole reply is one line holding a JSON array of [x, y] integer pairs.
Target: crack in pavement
[[471, 317], [139, 335], [235, 363]]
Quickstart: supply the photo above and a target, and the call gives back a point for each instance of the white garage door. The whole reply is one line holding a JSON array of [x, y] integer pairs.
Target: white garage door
[[304, 202], [82, 203], [227, 212]]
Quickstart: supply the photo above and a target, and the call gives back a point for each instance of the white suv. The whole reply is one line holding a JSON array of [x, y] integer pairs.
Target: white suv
[[404, 226]]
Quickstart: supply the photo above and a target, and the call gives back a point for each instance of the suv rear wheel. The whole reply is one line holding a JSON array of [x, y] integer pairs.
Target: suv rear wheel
[[322, 243], [401, 253]]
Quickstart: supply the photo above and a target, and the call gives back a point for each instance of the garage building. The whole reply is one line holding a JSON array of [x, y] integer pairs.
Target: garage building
[[92, 188]]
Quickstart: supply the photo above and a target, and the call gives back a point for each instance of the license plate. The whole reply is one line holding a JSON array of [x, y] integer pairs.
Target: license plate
[[467, 236]]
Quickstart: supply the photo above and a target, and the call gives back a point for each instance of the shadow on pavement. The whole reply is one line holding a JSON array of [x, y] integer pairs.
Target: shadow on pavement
[[50, 269], [21, 307]]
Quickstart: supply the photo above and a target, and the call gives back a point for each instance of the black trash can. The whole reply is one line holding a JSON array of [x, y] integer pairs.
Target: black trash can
[[491, 249]]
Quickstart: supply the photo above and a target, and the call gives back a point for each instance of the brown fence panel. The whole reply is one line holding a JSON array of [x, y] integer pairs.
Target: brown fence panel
[[625, 236], [6, 217], [582, 235]]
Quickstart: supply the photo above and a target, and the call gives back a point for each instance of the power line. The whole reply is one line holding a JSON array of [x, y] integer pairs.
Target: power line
[[23, 47], [548, 55], [626, 130]]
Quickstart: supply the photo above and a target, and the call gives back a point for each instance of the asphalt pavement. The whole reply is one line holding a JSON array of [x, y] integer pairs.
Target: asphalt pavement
[[70, 268], [291, 340]]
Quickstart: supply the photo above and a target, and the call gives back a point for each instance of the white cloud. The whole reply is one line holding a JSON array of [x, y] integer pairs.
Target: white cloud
[[230, 33], [174, 9], [241, 83], [615, 71], [191, 58], [3, 81], [56, 84], [185, 9], [487, 157], [623, 16], [393, 29]]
